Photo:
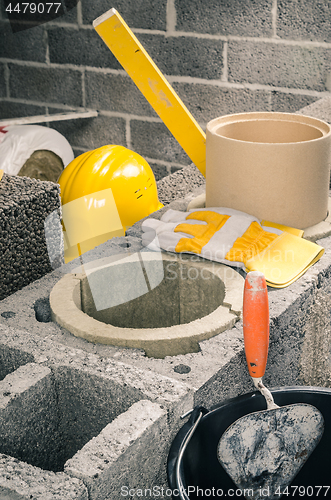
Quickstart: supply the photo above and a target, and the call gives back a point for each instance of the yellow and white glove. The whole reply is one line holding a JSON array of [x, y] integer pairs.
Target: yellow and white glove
[[236, 239]]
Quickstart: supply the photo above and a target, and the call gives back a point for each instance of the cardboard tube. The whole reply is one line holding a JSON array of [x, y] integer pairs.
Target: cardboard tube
[[275, 166]]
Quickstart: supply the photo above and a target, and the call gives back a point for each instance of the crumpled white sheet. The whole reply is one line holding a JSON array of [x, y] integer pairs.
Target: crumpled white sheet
[[19, 142]]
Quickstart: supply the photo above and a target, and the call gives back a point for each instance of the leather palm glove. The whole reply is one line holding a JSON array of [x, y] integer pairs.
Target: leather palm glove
[[237, 239]]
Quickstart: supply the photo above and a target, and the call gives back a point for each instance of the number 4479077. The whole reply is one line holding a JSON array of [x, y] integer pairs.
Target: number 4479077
[[33, 8], [306, 491]]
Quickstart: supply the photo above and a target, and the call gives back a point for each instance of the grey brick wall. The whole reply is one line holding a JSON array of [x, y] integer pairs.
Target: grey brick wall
[[221, 56], [3, 89]]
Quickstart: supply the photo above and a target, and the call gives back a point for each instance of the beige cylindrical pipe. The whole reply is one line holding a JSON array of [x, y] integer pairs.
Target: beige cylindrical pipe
[[275, 166]]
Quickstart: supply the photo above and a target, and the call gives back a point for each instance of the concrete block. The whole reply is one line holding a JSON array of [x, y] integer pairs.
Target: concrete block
[[11, 359], [123, 455], [153, 140], [147, 14], [185, 56], [315, 359], [299, 20], [159, 171], [81, 47], [21, 481], [319, 109], [246, 18], [24, 205], [70, 363], [3, 14], [287, 103], [180, 183], [54, 85], [151, 321], [83, 414], [299, 354], [206, 102], [27, 45], [304, 67], [93, 133], [3, 89], [111, 388], [115, 93], [78, 151], [46, 417], [71, 15], [10, 109], [28, 429]]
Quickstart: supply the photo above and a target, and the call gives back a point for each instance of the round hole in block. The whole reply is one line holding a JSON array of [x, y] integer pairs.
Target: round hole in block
[[8, 314], [182, 369], [186, 293], [167, 303]]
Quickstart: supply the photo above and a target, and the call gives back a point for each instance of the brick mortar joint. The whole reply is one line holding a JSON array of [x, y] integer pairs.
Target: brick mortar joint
[[170, 31], [274, 17], [170, 78], [7, 77]]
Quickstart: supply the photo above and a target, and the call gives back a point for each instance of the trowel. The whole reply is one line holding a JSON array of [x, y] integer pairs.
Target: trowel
[[263, 451]]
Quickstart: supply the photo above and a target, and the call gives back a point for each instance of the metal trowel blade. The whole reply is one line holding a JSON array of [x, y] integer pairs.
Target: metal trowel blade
[[263, 451]]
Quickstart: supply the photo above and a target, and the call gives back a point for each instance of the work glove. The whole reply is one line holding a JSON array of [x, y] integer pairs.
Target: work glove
[[234, 238]]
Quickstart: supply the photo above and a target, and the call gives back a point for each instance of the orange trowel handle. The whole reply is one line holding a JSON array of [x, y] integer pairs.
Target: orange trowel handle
[[256, 323]]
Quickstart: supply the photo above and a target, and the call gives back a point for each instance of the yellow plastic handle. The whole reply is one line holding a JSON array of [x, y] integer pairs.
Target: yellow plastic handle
[[1, 173], [140, 67]]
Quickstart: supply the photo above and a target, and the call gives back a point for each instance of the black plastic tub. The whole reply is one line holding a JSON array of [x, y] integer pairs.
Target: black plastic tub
[[199, 473]]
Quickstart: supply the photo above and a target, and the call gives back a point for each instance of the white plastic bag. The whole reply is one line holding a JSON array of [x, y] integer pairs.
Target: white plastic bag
[[19, 142]]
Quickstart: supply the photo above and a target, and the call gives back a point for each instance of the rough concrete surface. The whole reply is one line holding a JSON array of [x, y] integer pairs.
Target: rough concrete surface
[[57, 403], [320, 109], [118, 455], [84, 400], [179, 184], [21, 481], [299, 321], [25, 204]]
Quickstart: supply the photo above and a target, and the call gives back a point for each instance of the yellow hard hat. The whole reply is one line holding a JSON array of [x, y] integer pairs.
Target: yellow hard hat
[[103, 192], [128, 175]]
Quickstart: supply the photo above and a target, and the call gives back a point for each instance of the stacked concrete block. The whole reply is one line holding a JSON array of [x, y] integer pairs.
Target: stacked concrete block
[[103, 418], [298, 20], [21, 481], [62, 86], [25, 204], [123, 453], [221, 57], [299, 67], [2, 81], [179, 184], [15, 46], [78, 426]]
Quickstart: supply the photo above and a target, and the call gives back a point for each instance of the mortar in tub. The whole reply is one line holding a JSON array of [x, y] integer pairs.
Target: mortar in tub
[[158, 302], [193, 466], [274, 166]]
